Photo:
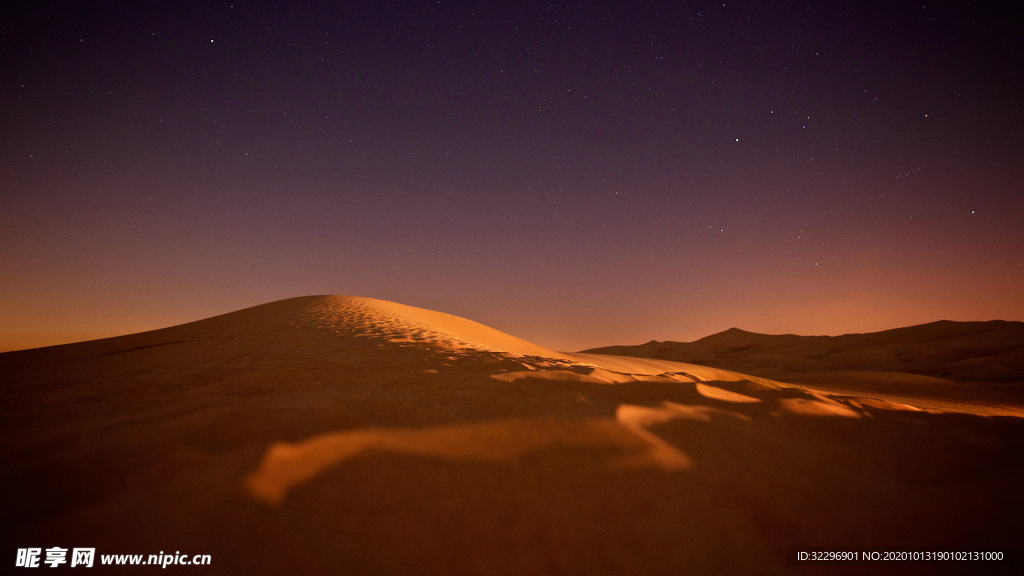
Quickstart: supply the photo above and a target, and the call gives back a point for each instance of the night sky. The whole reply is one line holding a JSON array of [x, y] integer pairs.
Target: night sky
[[576, 174]]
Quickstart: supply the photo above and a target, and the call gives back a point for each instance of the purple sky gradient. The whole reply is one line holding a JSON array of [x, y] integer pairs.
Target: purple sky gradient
[[576, 174]]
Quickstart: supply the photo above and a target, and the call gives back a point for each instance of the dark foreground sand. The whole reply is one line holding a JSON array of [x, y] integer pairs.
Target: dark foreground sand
[[336, 435]]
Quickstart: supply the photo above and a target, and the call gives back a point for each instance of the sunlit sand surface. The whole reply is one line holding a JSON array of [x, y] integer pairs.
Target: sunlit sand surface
[[286, 466], [341, 435]]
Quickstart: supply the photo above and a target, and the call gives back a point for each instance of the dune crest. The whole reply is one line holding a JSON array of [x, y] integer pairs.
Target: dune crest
[[399, 323], [408, 325]]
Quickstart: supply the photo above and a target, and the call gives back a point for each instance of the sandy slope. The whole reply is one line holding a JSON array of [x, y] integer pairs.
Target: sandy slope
[[340, 435], [976, 367], [969, 351]]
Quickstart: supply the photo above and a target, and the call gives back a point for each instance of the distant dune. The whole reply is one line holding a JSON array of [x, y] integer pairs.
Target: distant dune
[[951, 350], [345, 435], [924, 359]]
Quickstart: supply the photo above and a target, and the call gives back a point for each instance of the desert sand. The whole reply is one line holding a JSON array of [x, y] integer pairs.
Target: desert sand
[[972, 367], [345, 435]]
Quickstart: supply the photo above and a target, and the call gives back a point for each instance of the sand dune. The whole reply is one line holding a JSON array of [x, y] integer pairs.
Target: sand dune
[[330, 434], [976, 367], [950, 350]]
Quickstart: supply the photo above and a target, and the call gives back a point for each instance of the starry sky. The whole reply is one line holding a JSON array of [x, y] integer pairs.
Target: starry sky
[[577, 174]]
